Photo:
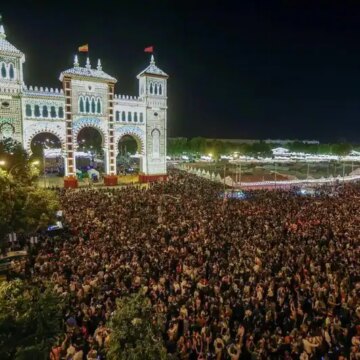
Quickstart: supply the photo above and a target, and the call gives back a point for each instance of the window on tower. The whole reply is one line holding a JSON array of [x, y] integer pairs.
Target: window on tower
[[81, 104], [61, 112], [129, 116], [45, 112], [93, 106], [141, 117], [98, 106], [123, 116], [53, 112], [160, 89], [135, 117], [11, 71], [117, 116], [156, 89], [151, 88], [3, 71], [87, 105], [155, 143], [28, 110], [37, 111]]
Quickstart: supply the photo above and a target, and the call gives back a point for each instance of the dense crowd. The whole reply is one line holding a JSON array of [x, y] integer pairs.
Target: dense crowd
[[274, 276]]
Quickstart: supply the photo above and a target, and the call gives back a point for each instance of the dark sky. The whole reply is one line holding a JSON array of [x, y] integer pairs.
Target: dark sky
[[238, 69]]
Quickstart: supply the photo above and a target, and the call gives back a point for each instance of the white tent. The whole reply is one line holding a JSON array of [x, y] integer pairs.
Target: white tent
[[52, 153], [92, 172]]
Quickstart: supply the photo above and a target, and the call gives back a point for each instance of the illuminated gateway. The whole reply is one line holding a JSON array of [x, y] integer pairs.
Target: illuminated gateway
[[87, 99]]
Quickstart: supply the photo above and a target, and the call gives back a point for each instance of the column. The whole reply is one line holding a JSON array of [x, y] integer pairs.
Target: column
[[70, 165], [110, 154]]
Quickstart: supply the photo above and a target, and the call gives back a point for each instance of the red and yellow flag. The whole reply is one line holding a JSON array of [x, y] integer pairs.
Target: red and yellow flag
[[84, 48], [149, 49]]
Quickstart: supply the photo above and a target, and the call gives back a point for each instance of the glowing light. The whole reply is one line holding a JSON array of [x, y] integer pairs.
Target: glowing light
[[2, 162]]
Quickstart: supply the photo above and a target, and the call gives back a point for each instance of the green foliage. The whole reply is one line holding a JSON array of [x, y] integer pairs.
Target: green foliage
[[177, 146], [135, 331], [16, 160], [216, 147], [30, 320], [341, 149], [24, 208]]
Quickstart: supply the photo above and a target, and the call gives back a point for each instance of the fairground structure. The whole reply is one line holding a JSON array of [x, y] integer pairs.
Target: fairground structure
[[87, 99]]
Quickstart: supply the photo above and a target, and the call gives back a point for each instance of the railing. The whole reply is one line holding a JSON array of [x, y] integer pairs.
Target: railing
[[228, 181]]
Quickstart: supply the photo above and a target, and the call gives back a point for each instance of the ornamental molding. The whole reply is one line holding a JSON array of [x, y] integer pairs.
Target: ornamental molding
[[90, 122], [134, 131], [34, 129]]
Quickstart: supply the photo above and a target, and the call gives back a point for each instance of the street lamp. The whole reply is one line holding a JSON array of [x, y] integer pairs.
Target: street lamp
[[2, 162]]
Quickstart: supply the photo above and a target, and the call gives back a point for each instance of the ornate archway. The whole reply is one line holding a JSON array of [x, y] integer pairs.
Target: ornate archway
[[89, 122], [134, 132], [34, 131]]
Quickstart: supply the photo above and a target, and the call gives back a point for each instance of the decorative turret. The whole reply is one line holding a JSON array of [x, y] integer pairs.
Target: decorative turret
[[152, 80], [76, 61], [2, 30], [99, 67], [88, 65], [11, 61]]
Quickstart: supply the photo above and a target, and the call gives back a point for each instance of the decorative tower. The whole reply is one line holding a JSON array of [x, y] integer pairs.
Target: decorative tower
[[153, 90], [11, 82], [89, 95]]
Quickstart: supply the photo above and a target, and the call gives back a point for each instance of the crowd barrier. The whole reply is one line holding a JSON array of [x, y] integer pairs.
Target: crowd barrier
[[281, 184]]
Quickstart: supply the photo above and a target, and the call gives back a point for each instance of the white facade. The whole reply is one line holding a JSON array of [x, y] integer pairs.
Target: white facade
[[87, 99]]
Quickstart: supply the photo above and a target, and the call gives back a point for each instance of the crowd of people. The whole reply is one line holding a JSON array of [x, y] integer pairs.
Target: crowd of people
[[273, 276]]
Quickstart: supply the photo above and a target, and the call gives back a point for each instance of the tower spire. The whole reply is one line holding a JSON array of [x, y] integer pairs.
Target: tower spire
[[88, 65], [152, 60], [76, 61], [99, 67], [2, 30]]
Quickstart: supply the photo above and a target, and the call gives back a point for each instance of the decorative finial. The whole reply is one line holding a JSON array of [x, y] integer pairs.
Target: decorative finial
[[76, 61], [152, 61], [2, 30], [88, 65], [99, 67]]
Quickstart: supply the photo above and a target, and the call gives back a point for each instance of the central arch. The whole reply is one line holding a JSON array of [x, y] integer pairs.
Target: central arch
[[129, 154], [89, 153]]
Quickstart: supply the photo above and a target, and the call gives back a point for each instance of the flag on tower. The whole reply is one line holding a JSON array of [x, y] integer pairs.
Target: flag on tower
[[149, 49], [84, 48]]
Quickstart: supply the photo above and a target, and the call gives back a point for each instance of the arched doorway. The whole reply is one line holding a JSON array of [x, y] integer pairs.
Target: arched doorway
[[129, 155], [46, 151], [90, 159]]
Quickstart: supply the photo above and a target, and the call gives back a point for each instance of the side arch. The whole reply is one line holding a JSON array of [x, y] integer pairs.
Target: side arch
[[36, 131], [137, 133]]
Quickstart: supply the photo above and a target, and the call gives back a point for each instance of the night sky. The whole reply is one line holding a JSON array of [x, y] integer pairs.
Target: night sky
[[239, 69]]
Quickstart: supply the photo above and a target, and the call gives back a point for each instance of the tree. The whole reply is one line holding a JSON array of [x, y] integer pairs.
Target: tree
[[197, 145], [135, 331], [341, 149], [30, 320], [261, 148], [24, 208], [16, 160]]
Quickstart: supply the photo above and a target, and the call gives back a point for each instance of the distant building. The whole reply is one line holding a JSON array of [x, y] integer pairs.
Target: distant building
[[267, 141]]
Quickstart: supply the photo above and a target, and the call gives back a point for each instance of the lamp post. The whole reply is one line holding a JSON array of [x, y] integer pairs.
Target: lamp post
[[307, 172], [224, 177], [275, 174]]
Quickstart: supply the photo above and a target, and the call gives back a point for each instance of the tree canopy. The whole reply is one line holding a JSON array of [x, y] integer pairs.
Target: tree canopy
[[135, 331], [30, 320], [24, 208]]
